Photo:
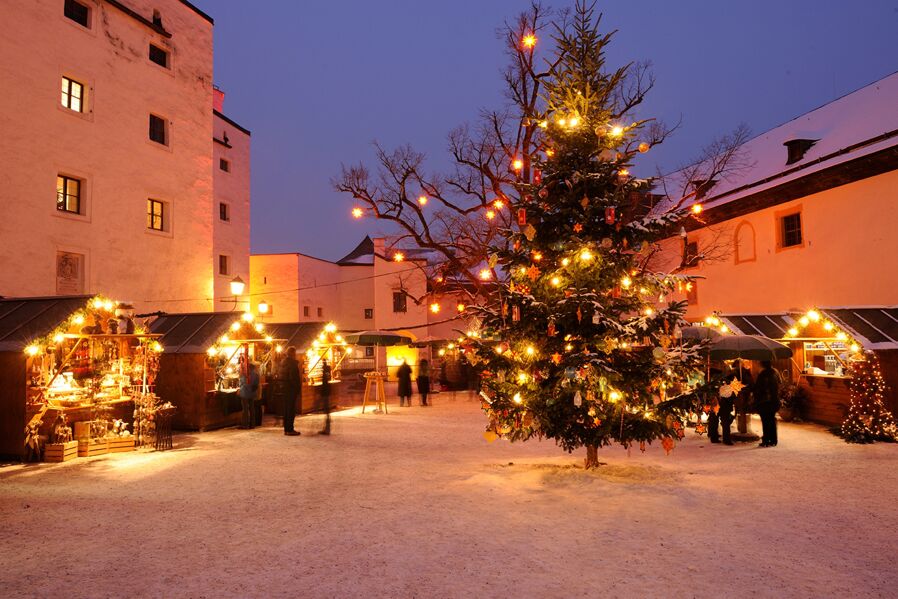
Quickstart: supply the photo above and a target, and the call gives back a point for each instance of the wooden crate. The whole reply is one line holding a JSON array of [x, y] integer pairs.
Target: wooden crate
[[83, 429], [60, 452], [120, 444], [91, 447]]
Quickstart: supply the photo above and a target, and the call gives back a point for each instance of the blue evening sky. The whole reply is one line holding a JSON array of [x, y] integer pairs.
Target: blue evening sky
[[318, 81]]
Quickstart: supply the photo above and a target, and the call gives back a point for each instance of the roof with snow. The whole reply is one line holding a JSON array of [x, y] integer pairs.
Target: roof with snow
[[856, 125], [362, 254]]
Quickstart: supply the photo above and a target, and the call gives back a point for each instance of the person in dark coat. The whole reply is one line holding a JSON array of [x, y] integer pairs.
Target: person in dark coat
[[719, 405], [326, 395], [292, 386], [404, 376], [767, 400], [249, 387], [424, 381]]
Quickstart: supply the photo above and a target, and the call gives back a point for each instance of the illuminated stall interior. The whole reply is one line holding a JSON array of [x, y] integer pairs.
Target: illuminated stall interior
[[72, 360]]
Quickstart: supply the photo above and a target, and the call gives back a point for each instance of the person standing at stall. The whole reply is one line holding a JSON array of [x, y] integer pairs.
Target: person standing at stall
[[767, 400], [292, 386], [326, 395], [249, 387], [423, 380], [404, 377]]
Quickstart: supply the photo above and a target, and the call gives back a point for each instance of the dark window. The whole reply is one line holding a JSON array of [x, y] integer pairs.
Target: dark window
[[68, 194], [157, 129], [159, 56], [155, 215], [399, 301], [797, 148], [224, 165], [305, 310], [224, 212], [690, 254], [72, 95], [791, 230], [77, 12], [369, 313], [369, 352], [224, 267], [320, 312]]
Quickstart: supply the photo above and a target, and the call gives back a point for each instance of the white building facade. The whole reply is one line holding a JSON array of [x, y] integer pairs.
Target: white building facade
[[112, 181]]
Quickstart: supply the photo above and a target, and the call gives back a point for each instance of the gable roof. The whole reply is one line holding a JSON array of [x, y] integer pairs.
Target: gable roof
[[362, 254], [22, 320]]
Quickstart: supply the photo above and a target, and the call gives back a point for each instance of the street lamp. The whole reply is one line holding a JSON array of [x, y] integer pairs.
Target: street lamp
[[237, 286], [262, 308]]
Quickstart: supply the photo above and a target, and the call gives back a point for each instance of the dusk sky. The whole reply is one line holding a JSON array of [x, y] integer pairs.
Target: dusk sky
[[317, 82]]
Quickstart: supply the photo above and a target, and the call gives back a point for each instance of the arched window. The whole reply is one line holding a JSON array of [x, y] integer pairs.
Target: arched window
[[745, 242]]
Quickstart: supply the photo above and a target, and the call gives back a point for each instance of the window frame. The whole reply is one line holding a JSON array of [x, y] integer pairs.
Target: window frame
[[225, 208], [164, 51], [152, 216], [320, 312], [67, 95], [224, 260], [166, 133], [66, 179], [400, 302], [224, 165], [369, 313], [791, 230], [88, 13], [780, 225], [306, 311]]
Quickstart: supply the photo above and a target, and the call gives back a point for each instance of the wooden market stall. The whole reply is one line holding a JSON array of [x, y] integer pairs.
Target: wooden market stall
[[825, 342], [73, 366], [200, 368]]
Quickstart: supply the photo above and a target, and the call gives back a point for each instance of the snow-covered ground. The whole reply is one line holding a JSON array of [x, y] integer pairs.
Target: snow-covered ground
[[417, 504]]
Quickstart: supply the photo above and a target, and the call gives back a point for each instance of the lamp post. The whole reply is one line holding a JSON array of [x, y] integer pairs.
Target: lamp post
[[237, 288], [262, 308]]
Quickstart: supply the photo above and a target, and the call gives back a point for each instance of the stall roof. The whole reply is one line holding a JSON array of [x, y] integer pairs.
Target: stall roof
[[298, 334], [196, 332], [874, 327], [22, 320]]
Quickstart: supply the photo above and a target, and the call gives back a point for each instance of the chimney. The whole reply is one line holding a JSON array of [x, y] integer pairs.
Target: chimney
[[217, 99], [797, 148]]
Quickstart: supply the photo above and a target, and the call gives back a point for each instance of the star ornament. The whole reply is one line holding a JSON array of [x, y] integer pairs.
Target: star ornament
[[578, 227], [556, 358], [737, 386], [533, 273]]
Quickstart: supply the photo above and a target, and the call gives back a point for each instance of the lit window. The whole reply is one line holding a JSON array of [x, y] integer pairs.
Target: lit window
[[155, 215], [791, 230], [158, 131], [72, 95], [224, 165], [224, 212], [78, 12], [159, 56], [68, 194], [224, 265]]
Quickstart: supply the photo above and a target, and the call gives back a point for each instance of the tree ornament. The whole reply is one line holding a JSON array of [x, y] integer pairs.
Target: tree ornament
[[543, 193], [658, 354], [585, 201], [601, 131], [533, 273], [596, 318], [556, 358], [644, 147], [522, 217], [537, 176], [579, 314], [516, 313], [578, 399], [609, 215], [578, 228], [530, 232], [551, 329]]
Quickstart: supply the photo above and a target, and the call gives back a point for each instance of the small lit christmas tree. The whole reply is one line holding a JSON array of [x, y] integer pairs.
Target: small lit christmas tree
[[579, 342], [868, 419]]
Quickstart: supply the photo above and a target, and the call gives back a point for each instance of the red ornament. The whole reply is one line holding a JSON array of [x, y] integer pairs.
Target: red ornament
[[551, 331], [609, 215], [516, 313], [537, 176], [522, 217]]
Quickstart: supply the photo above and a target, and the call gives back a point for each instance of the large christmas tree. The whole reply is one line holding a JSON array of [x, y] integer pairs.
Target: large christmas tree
[[868, 419], [579, 339]]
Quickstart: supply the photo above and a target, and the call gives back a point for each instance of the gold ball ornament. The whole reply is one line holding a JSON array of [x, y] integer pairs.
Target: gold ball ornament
[[601, 131], [644, 147]]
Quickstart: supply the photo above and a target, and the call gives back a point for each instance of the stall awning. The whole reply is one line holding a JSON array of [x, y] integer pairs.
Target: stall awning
[[876, 328], [298, 334], [22, 320], [196, 332]]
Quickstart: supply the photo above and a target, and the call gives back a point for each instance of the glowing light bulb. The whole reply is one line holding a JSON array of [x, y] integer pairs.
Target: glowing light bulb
[[279, 348], [792, 332], [58, 338], [568, 347], [649, 312], [814, 315], [617, 131], [517, 398], [499, 204], [550, 152], [398, 257], [586, 255], [614, 396], [565, 261], [107, 305], [32, 350], [78, 320], [555, 281], [212, 351], [330, 328], [157, 347], [268, 338], [537, 256], [530, 350], [522, 378], [518, 164], [855, 348], [247, 316], [528, 41], [827, 326], [357, 212], [98, 303], [805, 321], [626, 282], [435, 308], [485, 275], [422, 199], [523, 270], [697, 209], [460, 307], [490, 215], [724, 328], [259, 327], [841, 336], [224, 339], [235, 326], [623, 173], [442, 352], [544, 124], [562, 122], [573, 122]]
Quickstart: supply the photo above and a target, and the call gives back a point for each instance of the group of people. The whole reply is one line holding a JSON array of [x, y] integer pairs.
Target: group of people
[[761, 396], [404, 377]]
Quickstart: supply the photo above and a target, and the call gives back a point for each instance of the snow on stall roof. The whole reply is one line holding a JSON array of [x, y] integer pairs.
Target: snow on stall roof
[[853, 119]]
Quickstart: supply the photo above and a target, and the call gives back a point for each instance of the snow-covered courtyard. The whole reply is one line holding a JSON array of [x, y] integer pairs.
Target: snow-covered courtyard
[[417, 504]]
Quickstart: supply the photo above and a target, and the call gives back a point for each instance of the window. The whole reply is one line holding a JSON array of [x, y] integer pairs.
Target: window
[[791, 230], [159, 56], [690, 254], [369, 352], [155, 215], [77, 12], [305, 311], [745, 242], [72, 95], [399, 301], [320, 312], [224, 266], [369, 313], [68, 194], [224, 165], [158, 131], [224, 212]]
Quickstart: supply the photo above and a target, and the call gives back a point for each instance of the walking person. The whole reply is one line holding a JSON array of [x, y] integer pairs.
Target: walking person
[[404, 376], [326, 395], [249, 387], [423, 381], [292, 386], [767, 401]]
